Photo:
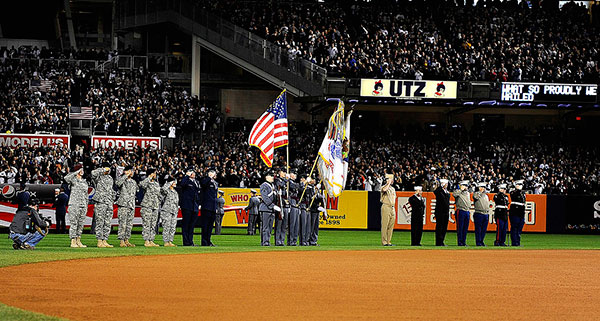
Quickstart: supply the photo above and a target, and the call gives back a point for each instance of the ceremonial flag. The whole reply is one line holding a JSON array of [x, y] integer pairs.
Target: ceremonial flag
[[40, 85], [330, 162], [271, 129], [81, 113]]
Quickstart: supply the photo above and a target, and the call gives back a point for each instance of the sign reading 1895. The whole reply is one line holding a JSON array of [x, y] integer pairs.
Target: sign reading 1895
[[540, 92]]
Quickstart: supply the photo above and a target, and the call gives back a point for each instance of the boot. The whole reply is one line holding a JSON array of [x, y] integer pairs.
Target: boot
[[154, 244], [123, 244], [101, 244], [129, 244], [106, 244], [79, 242], [74, 243], [173, 244], [147, 244]]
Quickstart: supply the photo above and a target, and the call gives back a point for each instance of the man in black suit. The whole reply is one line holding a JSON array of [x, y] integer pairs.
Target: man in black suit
[[188, 201], [442, 212], [60, 204], [208, 205], [417, 205]]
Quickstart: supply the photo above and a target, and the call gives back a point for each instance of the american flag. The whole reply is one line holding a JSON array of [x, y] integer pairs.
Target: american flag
[[40, 85], [271, 130], [81, 113]]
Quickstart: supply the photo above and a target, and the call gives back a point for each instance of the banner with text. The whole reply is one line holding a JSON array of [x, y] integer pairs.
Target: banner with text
[[408, 89], [349, 210], [540, 92], [126, 142], [26, 140], [535, 213]]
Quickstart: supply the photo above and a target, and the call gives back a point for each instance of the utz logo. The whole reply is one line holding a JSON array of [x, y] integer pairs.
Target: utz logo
[[440, 90], [378, 88]]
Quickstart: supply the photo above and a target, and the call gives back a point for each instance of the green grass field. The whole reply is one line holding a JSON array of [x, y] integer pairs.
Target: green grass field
[[55, 247]]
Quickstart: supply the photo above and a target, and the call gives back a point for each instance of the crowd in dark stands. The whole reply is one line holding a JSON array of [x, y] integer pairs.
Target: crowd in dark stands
[[35, 95], [429, 39], [414, 155], [33, 52]]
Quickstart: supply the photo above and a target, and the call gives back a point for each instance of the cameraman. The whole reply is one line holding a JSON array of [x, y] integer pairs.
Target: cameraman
[[27, 228]]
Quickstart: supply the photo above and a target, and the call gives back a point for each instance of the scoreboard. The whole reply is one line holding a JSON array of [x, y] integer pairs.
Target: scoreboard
[[542, 92]]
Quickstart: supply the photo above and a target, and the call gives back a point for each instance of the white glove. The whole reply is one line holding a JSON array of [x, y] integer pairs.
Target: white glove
[[321, 209], [276, 208], [319, 186], [287, 175]]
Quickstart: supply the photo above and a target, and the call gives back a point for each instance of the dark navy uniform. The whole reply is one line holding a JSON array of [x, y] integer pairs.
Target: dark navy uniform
[[188, 202], [208, 203], [60, 204], [517, 216], [417, 205], [442, 214], [501, 216]]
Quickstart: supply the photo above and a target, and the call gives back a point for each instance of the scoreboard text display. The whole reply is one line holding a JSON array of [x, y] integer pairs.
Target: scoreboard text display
[[539, 92]]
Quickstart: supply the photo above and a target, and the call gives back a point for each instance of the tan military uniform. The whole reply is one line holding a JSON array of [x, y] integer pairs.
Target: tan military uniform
[[388, 214]]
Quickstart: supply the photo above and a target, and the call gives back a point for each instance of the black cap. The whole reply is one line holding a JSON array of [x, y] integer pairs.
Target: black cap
[[34, 201], [105, 164], [150, 171], [269, 172], [128, 168], [294, 171]]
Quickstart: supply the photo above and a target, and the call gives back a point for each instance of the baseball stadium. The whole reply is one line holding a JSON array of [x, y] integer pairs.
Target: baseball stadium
[[300, 160]]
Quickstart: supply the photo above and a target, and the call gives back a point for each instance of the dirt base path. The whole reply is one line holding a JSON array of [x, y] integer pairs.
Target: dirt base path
[[344, 285]]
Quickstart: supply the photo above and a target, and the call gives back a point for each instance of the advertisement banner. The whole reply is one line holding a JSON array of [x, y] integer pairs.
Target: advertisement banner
[[126, 142], [535, 213], [349, 210], [33, 140], [540, 92], [408, 89], [583, 214]]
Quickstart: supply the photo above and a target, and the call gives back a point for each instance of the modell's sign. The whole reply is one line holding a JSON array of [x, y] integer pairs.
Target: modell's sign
[[22, 140], [408, 89], [126, 142]]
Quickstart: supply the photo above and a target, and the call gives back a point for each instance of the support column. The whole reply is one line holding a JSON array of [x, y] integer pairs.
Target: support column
[[70, 24], [195, 66]]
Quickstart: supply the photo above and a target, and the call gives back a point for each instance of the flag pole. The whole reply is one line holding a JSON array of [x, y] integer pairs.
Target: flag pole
[[309, 175]]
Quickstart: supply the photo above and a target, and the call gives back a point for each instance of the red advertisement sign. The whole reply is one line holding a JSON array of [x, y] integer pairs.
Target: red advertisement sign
[[33, 140], [126, 142]]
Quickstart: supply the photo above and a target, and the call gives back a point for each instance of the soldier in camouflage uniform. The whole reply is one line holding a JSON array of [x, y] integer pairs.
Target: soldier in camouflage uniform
[[104, 198], [149, 210], [126, 202], [78, 203], [169, 210]]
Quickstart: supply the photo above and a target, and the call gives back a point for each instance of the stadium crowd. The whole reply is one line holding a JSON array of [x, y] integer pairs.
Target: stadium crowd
[[126, 103], [416, 157], [428, 39]]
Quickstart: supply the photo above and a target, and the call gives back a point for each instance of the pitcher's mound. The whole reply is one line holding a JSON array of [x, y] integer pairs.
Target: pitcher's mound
[[346, 285]]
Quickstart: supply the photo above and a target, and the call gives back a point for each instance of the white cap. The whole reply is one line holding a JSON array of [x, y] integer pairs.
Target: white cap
[[502, 186], [465, 183], [482, 184], [443, 181], [418, 188], [519, 182], [57, 189], [253, 191], [221, 191]]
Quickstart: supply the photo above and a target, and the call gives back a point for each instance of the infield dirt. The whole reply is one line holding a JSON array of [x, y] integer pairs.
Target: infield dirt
[[286, 285]]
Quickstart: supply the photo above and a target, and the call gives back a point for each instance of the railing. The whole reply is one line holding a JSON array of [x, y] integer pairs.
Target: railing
[[240, 42], [124, 63]]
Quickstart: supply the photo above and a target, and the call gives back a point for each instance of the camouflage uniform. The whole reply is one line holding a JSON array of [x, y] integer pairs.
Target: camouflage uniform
[[168, 212], [149, 210], [78, 202], [126, 203], [104, 198]]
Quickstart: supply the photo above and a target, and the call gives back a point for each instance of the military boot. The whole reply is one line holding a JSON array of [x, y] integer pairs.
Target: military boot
[[101, 244], [123, 244], [79, 242], [74, 243], [106, 244]]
